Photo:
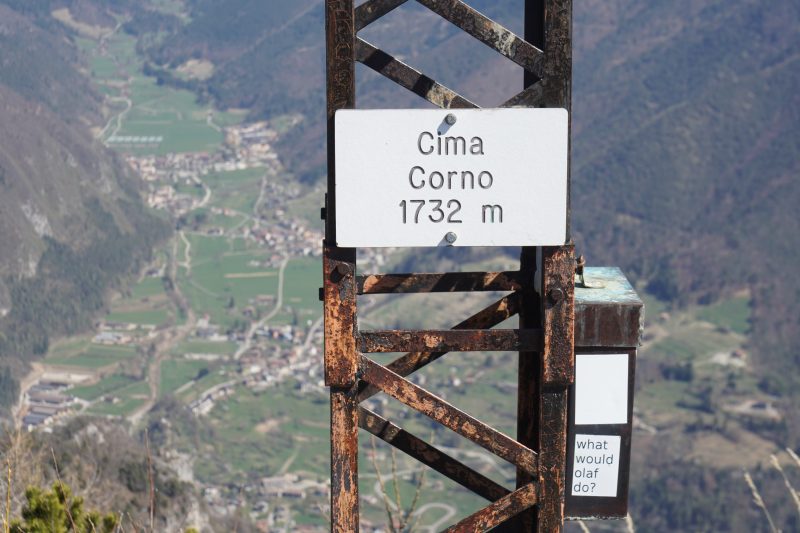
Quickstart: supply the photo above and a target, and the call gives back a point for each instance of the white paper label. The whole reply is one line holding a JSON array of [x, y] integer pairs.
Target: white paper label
[[601, 389], [596, 468]]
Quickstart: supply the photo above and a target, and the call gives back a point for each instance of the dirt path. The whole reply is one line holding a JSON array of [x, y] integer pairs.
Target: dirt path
[[118, 118], [168, 338], [187, 254]]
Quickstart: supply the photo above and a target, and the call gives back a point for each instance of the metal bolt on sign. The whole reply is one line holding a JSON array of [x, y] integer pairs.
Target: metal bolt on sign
[[556, 414]]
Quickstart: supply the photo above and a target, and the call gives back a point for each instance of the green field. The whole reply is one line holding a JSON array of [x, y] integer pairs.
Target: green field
[[223, 282], [68, 347], [214, 377], [258, 433], [104, 386], [147, 288], [122, 408], [302, 280], [175, 373], [733, 314], [236, 190], [95, 356], [152, 317], [156, 110], [203, 347]]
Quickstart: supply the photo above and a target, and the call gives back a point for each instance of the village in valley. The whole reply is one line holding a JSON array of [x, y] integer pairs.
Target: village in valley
[[227, 309]]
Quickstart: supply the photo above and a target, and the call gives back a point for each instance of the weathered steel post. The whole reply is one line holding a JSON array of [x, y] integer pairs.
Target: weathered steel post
[[546, 337], [339, 269]]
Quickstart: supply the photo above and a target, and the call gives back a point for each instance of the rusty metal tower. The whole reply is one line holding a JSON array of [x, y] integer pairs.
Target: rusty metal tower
[[545, 303]]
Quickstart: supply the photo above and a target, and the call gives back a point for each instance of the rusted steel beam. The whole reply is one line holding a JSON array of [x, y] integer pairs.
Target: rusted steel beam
[[556, 374], [558, 73], [372, 10], [488, 317], [338, 263], [558, 313], [450, 340], [430, 456], [553, 412], [449, 416], [339, 283], [489, 33], [446, 282], [533, 96], [498, 512], [341, 89], [341, 358], [408, 77], [344, 460]]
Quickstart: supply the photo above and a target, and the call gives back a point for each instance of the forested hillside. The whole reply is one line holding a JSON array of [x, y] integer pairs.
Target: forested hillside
[[686, 127], [72, 223]]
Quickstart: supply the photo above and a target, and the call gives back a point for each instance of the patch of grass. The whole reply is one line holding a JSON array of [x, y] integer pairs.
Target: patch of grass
[[307, 206], [302, 280], [662, 396], [69, 347], [692, 341], [190, 190], [148, 317], [121, 408], [733, 314], [250, 453], [217, 348], [209, 380], [147, 288], [104, 386], [95, 356], [213, 282], [175, 373]]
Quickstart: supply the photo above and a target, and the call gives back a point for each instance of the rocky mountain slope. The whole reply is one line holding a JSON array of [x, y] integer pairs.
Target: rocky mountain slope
[[72, 222]]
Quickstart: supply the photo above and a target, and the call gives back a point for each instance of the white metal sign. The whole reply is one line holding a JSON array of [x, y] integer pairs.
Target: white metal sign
[[476, 177]]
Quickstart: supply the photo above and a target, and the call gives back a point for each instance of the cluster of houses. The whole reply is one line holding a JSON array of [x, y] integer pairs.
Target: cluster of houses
[[248, 146], [251, 143], [273, 498], [269, 363], [292, 236], [47, 400]]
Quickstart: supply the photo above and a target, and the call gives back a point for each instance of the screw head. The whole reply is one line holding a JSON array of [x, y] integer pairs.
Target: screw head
[[450, 237], [450, 119], [339, 273], [555, 295]]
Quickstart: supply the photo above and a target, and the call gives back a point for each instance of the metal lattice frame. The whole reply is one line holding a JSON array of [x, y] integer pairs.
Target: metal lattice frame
[[544, 340]]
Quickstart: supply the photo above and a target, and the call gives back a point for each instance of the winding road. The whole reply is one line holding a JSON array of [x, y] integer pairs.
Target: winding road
[[248, 341]]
